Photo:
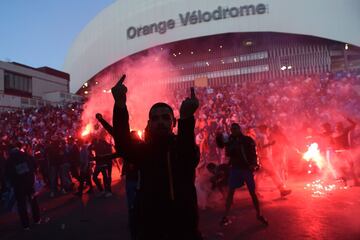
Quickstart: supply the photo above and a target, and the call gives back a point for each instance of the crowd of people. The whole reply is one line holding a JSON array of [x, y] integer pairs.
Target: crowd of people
[[283, 117]]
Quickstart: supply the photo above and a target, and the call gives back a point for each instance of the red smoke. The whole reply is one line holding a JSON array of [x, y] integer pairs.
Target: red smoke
[[145, 76]]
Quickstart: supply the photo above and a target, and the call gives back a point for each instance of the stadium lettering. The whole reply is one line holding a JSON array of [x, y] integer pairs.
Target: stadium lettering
[[160, 27], [197, 16]]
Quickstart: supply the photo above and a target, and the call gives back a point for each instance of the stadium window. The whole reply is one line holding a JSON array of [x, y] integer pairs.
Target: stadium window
[[17, 84], [24, 101]]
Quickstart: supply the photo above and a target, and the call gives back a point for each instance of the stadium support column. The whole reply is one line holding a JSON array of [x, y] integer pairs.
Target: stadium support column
[[346, 62], [2, 81]]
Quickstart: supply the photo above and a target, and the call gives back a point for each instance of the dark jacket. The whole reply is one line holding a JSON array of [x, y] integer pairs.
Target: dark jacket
[[167, 202], [20, 171], [101, 148], [240, 150], [72, 154], [55, 153]]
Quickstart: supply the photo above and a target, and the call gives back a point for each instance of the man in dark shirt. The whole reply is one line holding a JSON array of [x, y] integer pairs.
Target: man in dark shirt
[[101, 148], [72, 156], [54, 157], [129, 171], [166, 201], [241, 151], [20, 171]]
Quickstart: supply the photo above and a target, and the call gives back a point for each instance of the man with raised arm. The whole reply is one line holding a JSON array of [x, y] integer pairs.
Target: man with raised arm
[[166, 201]]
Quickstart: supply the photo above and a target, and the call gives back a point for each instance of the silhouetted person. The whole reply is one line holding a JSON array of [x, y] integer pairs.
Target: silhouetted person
[[264, 147], [72, 155], [129, 171], [20, 170], [241, 151], [101, 148], [166, 201], [85, 167]]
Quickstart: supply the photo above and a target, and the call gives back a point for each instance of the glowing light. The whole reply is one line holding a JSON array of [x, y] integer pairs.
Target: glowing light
[[191, 52], [248, 43], [346, 46], [96, 83], [87, 130], [86, 84], [319, 188], [221, 46], [207, 63], [313, 153], [289, 67], [235, 60], [140, 133], [283, 68], [86, 92], [209, 49]]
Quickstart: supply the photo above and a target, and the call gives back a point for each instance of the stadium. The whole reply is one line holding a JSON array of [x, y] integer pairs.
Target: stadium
[[214, 44], [274, 105]]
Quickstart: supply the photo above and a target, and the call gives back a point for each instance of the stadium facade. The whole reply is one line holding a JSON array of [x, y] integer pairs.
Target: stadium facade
[[217, 43]]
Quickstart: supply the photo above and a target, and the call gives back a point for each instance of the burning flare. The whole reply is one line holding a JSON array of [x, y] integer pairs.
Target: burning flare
[[313, 153], [86, 131], [140, 133]]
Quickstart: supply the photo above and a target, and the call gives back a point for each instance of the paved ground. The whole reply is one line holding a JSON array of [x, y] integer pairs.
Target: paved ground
[[335, 215]]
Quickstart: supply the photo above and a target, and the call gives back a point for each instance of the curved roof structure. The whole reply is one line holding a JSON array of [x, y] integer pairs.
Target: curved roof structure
[[129, 26]]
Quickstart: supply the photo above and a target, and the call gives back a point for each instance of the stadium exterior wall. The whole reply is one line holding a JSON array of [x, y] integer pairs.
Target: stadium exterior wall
[[128, 27]]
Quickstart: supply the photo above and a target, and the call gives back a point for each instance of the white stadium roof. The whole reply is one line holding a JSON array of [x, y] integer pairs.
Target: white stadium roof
[[129, 26]]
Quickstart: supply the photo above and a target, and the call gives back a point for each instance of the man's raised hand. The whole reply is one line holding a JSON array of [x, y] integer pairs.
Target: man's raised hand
[[189, 105], [119, 92], [98, 116]]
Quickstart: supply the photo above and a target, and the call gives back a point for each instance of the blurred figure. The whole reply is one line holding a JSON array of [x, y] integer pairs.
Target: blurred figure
[[101, 148], [72, 156], [20, 170], [241, 151], [265, 159], [40, 157], [131, 174], [54, 155], [279, 152], [342, 144], [85, 167]]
